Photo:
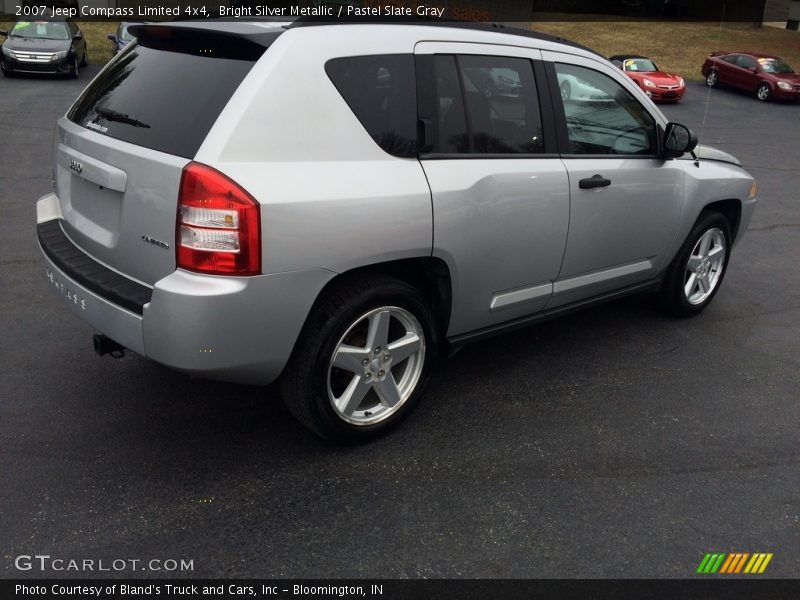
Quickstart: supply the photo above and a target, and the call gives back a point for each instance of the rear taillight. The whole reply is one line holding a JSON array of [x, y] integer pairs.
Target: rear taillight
[[219, 224]]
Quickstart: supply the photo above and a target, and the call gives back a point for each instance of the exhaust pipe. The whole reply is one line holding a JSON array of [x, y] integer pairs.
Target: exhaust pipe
[[105, 345]]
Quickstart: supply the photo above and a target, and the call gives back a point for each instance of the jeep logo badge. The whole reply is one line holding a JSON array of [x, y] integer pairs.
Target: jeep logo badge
[[76, 166]]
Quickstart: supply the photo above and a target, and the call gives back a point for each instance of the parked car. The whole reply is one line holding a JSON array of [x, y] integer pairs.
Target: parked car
[[339, 206], [764, 75], [55, 47], [494, 81], [121, 37], [659, 85], [574, 88]]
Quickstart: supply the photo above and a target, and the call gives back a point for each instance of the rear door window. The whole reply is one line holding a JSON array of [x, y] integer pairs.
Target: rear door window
[[486, 105], [166, 94], [381, 92]]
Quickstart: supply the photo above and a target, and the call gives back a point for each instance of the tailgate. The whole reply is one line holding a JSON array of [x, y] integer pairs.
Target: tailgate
[[121, 149]]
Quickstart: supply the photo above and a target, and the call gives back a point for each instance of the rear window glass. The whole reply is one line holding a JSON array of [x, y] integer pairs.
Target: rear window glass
[[381, 91], [163, 98]]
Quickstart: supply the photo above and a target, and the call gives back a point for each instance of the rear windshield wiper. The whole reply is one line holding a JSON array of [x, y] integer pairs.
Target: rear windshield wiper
[[112, 115]]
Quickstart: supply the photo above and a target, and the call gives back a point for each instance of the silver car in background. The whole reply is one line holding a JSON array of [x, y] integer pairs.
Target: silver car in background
[[335, 205]]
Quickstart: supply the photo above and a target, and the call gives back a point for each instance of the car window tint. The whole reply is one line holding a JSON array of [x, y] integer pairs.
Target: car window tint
[[149, 96], [502, 105], [451, 119], [731, 59], [381, 91], [746, 62], [602, 116]]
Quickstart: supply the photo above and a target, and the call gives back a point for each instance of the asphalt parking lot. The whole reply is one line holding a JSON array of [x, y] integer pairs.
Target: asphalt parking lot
[[618, 442]]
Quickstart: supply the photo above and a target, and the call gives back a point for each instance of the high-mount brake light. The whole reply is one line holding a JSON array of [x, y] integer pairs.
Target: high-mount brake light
[[218, 226]]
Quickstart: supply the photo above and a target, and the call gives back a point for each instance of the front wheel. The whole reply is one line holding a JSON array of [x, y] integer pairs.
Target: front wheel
[[362, 360], [85, 59], [712, 79], [763, 92], [74, 72], [697, 271]]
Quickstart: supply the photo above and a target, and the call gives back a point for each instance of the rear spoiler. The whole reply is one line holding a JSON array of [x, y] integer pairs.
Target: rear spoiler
[[718, 53], [233, 40]]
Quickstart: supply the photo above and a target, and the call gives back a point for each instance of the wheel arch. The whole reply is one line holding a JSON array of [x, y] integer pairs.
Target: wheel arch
[[731, 209], [428, 274]]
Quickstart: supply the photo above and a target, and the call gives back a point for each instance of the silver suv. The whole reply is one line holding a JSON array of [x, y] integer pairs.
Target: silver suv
[[333, 206]]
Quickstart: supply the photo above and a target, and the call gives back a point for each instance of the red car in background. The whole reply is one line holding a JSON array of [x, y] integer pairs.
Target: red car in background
[[764, 75], [658, 84]]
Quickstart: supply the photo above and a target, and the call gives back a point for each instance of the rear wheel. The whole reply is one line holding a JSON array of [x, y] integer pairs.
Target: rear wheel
[[362, 360], [697, 271], [763, 92], [712, 79]]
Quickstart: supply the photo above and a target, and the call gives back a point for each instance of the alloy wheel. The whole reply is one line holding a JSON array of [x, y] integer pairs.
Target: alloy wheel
[[376, 365], [704, 267]]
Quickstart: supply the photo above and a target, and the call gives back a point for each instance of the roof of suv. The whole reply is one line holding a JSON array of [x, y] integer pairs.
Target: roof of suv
[[251, 28]]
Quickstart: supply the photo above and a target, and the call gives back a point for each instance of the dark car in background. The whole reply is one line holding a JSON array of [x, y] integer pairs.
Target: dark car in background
[[53, 47], [765, 75], [122, 37]]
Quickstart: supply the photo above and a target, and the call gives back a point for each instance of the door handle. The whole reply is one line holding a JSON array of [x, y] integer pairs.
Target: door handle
[[593, 182]]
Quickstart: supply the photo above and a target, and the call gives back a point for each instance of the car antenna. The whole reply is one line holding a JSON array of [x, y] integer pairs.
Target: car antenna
[[708, 92]]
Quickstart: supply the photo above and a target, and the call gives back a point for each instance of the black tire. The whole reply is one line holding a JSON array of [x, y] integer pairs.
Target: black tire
[[764, 92], [74, 72], [673, 295], [712, 79], [488, 89], [304, 383], [566, 90], [85, 60]]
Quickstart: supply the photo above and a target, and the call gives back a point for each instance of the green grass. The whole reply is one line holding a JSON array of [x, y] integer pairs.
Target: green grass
[[677, 47]]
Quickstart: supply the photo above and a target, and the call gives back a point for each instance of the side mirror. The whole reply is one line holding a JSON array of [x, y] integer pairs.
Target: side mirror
[[4, 32], [112, 37], [678, 139], [77, 38]]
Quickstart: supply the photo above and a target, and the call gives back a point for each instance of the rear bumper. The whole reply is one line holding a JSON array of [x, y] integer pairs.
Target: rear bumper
[[240, 329]]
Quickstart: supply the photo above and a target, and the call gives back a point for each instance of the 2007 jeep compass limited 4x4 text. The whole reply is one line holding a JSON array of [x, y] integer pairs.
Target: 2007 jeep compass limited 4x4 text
[[330, 205]]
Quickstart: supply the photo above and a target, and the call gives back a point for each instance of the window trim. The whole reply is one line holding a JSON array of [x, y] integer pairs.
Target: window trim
[[560, 118], [426, 108]]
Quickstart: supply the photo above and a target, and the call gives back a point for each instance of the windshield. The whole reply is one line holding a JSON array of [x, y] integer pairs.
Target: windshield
[[775, 65], [41, 30], [640, 64], [124, 35]]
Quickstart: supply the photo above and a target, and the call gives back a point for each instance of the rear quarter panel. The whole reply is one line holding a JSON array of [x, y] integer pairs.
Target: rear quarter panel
[[330, 196]]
